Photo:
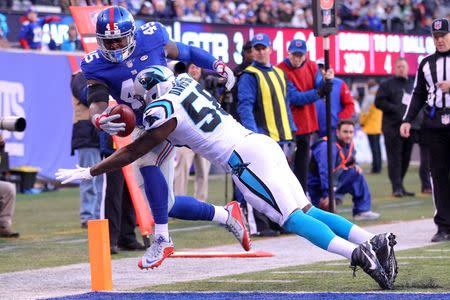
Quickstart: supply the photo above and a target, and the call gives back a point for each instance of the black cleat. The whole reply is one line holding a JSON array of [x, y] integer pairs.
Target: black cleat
[[383, 245], [365, 257]]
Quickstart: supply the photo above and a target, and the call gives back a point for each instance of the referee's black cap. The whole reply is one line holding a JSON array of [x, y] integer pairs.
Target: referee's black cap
[[441, 25]]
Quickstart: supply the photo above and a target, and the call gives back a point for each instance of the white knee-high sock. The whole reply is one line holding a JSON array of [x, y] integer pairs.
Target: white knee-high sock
[[342, 247], [358, 235]]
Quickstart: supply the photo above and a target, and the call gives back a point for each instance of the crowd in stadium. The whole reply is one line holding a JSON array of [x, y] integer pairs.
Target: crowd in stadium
[[403, 16]]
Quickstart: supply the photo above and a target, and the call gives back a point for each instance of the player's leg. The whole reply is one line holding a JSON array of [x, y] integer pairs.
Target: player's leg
[[382, 244], [149, 175], [263, 182], [230, 215]]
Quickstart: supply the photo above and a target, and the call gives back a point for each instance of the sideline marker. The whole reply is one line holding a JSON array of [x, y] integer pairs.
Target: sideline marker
[[99, 255]]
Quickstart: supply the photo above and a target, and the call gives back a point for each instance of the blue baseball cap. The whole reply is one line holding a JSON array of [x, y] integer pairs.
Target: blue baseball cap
[[297, 46], [261, 39]]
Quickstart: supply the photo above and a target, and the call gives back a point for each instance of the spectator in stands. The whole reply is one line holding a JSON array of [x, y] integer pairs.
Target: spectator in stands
[[342, 106], [370, 120], [392, 98], [185, 157], [348, 13], [161, 10], [304, 83], [7, 204], [261, 100], [369, 21], [72, 42], [213, 12], [86, 141], [30, 35], [348, 176], [146, 9]]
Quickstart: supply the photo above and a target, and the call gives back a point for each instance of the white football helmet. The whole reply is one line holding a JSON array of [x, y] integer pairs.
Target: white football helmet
[[153, 82]]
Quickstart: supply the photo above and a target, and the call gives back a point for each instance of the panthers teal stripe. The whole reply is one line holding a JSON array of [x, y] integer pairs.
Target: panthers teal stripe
[[167, 105]]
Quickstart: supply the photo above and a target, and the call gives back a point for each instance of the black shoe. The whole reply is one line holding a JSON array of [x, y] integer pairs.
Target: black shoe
[[408, 194], [114, 250], [440, 236], [398, 193], [6, 232], [133, 246], [383, 245], [84, 225], [365, 257]]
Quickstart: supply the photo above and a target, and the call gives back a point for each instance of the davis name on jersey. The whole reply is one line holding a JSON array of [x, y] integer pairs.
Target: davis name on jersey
[[150, 41], [202, 124]]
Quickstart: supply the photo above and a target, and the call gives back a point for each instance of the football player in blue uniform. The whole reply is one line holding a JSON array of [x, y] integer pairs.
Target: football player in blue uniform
[[123, 51], [183, 112]]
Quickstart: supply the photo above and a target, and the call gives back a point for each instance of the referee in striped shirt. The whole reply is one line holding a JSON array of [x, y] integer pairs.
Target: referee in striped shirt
[[432, 89]]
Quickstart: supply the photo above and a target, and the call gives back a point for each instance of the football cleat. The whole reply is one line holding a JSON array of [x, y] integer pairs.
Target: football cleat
[[383, 245], [365, 257], [159, 250], [236, 225]]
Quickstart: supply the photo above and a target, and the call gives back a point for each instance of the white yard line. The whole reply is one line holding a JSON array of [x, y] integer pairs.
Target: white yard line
[[288, 251]]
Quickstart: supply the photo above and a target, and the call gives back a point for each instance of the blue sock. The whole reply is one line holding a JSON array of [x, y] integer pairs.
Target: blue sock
[[157, 193], [189, 208], [338, 224], [311, 229]]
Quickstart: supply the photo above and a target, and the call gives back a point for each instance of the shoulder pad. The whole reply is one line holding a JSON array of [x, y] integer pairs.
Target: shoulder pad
[[157, 113]]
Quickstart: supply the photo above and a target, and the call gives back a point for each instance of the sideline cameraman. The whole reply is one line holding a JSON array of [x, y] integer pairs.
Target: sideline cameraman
[[7, 203]]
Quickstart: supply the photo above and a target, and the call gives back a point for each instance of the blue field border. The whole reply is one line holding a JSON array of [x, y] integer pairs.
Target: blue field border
[[253, 296]]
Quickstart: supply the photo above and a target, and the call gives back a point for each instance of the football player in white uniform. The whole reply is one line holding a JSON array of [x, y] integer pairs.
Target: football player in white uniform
[[182, 112]]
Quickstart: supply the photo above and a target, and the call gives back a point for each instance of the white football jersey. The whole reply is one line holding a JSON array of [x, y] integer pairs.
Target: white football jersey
[[202, 124]]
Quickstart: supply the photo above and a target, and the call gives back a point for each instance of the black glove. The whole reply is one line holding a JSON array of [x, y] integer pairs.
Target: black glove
[[325, 88]]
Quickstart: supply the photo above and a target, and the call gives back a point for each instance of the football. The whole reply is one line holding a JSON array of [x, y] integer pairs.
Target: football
[[127, 116]]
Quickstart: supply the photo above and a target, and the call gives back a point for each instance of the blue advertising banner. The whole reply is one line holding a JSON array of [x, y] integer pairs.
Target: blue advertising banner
[[37, 86]]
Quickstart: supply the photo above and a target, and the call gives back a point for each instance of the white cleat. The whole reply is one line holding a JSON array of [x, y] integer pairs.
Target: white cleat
[[236, 225], [156, 253]]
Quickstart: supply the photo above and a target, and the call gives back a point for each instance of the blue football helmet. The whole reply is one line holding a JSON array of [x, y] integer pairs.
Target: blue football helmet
[[152, 83], [115, 33]]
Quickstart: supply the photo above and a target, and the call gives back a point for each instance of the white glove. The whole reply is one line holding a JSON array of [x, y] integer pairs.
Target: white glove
[[69, 175], [104, 122], [221, 68]]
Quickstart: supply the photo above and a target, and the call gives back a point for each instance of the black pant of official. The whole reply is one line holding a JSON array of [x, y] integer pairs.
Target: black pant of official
[[398, 152], [374, 142], [301, 162], [119, 210], [439, 143]]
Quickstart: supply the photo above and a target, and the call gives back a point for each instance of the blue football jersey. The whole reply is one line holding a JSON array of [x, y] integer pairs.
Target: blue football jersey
[[150, 41]]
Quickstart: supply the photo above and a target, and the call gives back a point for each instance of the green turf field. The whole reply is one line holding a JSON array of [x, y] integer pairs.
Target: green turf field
[[51, 236], [420, 270]]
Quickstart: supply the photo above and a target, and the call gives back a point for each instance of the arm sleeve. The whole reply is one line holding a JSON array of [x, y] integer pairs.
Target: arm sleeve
[[196, 55], [289, 112], [246, 101], [419, 96], [348, 106], [299, 98]]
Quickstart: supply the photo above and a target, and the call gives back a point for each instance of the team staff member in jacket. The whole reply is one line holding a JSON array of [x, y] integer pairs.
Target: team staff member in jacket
[[432, 87], [392, 98], [305, 87]]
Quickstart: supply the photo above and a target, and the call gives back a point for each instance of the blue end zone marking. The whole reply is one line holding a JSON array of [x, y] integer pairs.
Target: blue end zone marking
[[256, 296]]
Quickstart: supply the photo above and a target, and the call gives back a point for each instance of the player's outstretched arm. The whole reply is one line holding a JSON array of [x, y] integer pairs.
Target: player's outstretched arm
[[133, 151], [121, 157], [201, 58]]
